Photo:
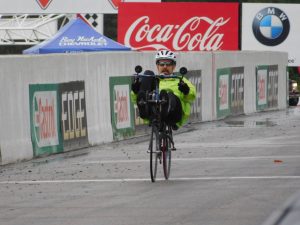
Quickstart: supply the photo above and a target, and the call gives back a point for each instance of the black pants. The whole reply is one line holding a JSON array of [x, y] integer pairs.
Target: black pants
[[174, 111], [171, 112]]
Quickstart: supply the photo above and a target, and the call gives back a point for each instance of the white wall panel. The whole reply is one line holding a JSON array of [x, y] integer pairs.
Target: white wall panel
[[17, 72]]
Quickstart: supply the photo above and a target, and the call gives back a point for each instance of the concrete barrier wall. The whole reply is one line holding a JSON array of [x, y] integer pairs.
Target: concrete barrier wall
[[250, 60], [17, 72]]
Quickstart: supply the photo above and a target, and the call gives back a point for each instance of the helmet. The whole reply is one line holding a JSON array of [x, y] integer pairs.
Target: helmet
[[165, 54]]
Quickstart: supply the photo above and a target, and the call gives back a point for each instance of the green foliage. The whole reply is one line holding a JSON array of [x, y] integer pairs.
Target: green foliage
[[293, 74]]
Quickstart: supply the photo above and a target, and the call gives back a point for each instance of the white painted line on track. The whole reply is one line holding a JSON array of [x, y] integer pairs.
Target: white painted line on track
[[148, 179], [238, 158], [195, 159], [244, 144]]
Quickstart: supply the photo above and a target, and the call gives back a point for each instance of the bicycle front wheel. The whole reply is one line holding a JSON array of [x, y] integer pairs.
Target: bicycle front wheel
[[166, 153], [154, 150]]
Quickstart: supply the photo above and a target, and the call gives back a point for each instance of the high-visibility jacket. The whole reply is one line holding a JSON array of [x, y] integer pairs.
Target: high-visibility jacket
[[171, 85]]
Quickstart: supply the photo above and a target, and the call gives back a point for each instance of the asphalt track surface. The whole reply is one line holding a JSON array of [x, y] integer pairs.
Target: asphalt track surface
[[235, 171]]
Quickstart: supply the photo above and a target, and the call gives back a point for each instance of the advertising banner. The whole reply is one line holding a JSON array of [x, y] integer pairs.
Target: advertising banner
[[273, 27], [65, 6], [273, 86], [179, 26], [121, 107], [237, 90], [223, 88], [261, 86], [194, 76], [266, 86], [73, 115], [230, 91], [45, 119]]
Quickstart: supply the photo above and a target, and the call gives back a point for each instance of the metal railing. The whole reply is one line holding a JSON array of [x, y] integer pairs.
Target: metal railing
[[30, 29]]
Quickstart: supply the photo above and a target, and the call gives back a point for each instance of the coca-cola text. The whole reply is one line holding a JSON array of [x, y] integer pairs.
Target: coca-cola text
[[186, 36]]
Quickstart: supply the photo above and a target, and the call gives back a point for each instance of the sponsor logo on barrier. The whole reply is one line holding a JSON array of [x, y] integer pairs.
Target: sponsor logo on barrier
[[223, 92], [73, 114], [45, 120], [44, 3], [237, 90], [230, 91], [121, 106], [267, 86], [271, 26], [262, 86], [261, 89]]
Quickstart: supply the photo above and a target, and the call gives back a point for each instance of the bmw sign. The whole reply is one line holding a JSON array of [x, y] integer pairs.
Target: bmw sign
[[271, 26]]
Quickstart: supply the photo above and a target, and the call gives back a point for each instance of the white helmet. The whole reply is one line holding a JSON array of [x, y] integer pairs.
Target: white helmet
[[165, 54]]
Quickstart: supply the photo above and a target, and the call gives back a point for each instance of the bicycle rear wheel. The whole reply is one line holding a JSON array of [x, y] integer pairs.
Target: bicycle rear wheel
[[154, 150], [166, 155]]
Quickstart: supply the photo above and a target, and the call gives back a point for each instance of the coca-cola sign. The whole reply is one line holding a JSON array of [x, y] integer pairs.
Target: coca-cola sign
[[43, 3], [115, 3], [179, 26]]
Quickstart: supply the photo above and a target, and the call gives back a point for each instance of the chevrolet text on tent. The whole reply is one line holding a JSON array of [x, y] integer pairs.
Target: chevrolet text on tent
[[82, 40]]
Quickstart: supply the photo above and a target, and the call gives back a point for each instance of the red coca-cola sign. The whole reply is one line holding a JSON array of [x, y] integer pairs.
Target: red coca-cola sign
[[179, 26], [43, 3], [115, 3]]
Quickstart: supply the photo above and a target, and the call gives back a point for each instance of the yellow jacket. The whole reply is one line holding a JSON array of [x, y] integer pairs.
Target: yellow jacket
[[171, 85]]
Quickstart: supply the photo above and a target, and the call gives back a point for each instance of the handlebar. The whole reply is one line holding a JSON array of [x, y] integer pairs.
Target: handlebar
[[183, 70], [155, 99], [159, 76]]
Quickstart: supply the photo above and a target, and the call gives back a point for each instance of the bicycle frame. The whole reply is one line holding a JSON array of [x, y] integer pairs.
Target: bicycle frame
[[161, 141]]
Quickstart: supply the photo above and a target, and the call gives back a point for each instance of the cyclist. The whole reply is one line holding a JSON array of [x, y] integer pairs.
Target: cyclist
[[179, 94]]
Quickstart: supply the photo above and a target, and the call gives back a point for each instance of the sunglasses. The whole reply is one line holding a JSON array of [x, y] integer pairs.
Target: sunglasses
[[165, 63]]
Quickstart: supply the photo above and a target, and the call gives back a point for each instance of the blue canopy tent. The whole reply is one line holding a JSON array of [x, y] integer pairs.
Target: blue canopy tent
[[76, 36]]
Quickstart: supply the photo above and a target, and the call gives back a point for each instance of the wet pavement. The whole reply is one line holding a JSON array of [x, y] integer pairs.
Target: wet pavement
[[235, 171]]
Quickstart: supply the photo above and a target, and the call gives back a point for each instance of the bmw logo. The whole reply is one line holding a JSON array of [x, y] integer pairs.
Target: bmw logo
[[271, 26]]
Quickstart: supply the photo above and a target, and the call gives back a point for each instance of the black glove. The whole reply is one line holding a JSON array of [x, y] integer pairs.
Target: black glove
[[183, 87], [135, 86]]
